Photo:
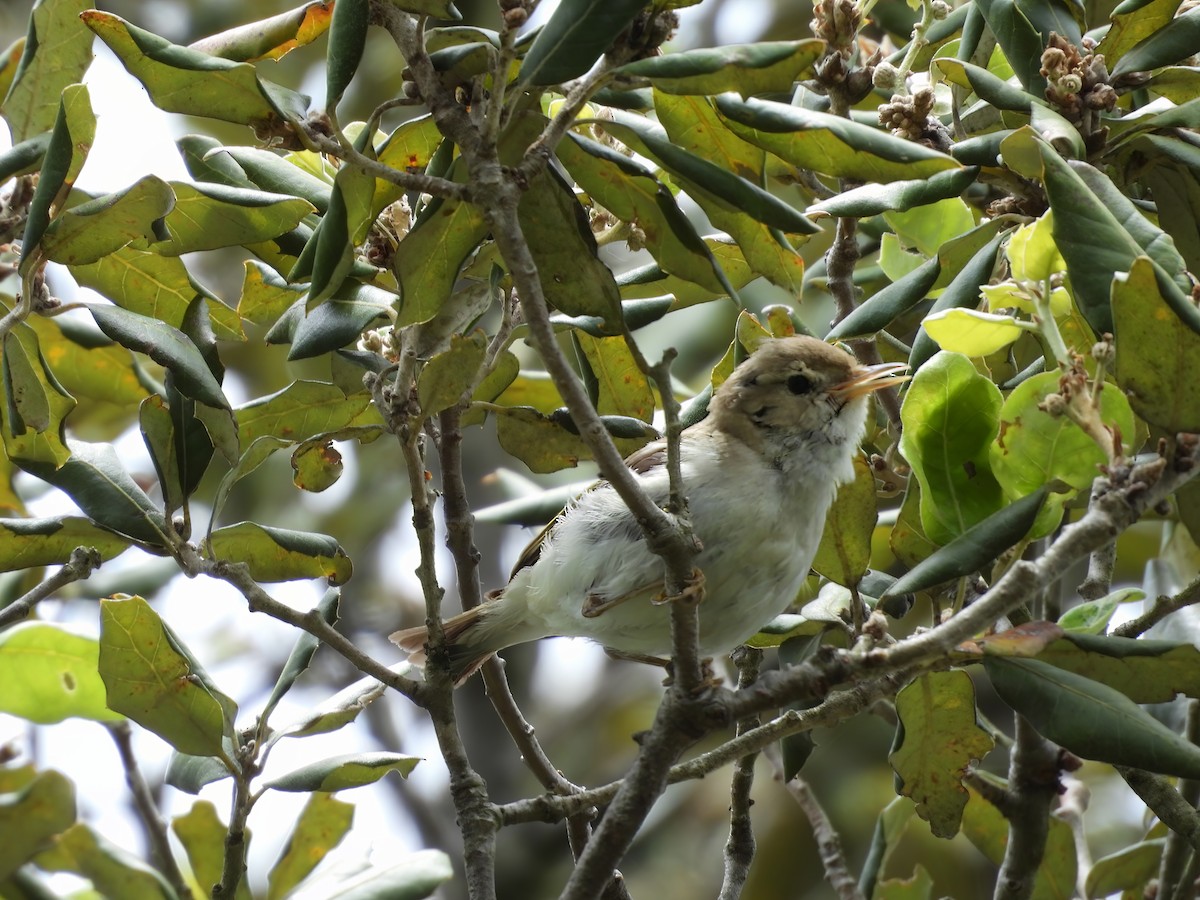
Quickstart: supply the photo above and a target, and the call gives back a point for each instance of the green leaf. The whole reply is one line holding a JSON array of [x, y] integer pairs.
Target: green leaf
[[302, 410], [624, 390], [970, 332], [30, 543], [202, 834], [74, 132], [271, 38], [573, 278], [632, 193], [279, 554], [23, 158], [1019, 39], [187, 81], [447, 376], [335, 323], [1175, 41], [1131, 868], [338, 711], [160, 287], [937, 739], [762, 68], [36, 406], [977, 547], [333, 256], [571, 42], [643, 135], [429, 257], [1092, 616], [1156, 352], [845, 548], [208, 216], [411, 877], [962, 291], [151, 679], [1034, 448], [321, 826], [273, 173], [56, 672], [192, 773], [545, 444], [651, 283], [951, 417], [58, 50], [112, 871], [872, 199], [31, 816], [92, 230], [339, 773], [1145, 671], [167, 346], [97, 481], [829, 144], [987, 86], [266, 295], [347, 40], [1090, 719]]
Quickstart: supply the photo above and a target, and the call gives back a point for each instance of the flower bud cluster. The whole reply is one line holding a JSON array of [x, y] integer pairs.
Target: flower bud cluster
[[908, 117], [1077, 81], [836, 22]]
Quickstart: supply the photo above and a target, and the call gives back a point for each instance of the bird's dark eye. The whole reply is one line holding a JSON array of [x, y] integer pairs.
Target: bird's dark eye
[[799, 384]]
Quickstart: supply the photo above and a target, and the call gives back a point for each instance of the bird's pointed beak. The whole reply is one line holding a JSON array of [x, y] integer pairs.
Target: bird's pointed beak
[[867, 379]]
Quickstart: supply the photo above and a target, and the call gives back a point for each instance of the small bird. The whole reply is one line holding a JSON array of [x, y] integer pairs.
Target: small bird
[[759, 472]]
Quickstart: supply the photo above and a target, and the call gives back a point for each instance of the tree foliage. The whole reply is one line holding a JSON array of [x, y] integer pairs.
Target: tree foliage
[[1004, 195]]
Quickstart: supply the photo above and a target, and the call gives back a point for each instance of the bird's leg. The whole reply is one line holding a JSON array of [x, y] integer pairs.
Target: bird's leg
[[693, 591], [596, 604], [639, 658], [708, 678]]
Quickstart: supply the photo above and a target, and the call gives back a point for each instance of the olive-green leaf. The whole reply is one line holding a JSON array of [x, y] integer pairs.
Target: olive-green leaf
[[429, 257], [1177, 40], [97, 481], [1129, 869], [150, 679], [347, 39], [52, 675], [275, 174], [1156, 352], [411, 876], [24, 158], [95, 228], [622, 388], [571, 42], [975, 548], [279, 554], [829, 144], [191, 773], [190, 82], [937, 739], [58, 50], [349, 770], [74, 132], [642, 134], [36, 405], [271, 38], [872, 199], [30, 543], [208, 216], [333, 324], [112, 871], [167, 346], [1034, 448], [202, 834], [31, 816], [446, 377], [302, 653], [144, 282], [320, 827], [951, 417], [1019, 39], [845, 549], [1145, 671], [1090, 719], [765, 67]]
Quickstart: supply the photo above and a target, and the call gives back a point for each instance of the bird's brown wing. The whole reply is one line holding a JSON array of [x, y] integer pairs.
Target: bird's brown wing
[[642, 461]]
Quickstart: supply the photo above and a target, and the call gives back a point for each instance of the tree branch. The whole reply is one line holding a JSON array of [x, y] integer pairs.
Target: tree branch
[[82, 562], [1032, 784], [739, 848], [147, 810]]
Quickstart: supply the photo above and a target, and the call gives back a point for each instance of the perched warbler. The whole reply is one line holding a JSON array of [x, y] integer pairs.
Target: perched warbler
[[759, 472]]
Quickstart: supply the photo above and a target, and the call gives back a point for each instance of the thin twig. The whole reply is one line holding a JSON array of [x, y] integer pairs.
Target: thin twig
[[82, 562], [1162, 608], [1177, 853], [739, 848], [829, 845], [1158, 794], [410, 181], [148, 814]]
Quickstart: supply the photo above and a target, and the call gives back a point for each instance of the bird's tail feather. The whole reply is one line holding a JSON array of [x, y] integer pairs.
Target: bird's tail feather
[[466, 655]]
